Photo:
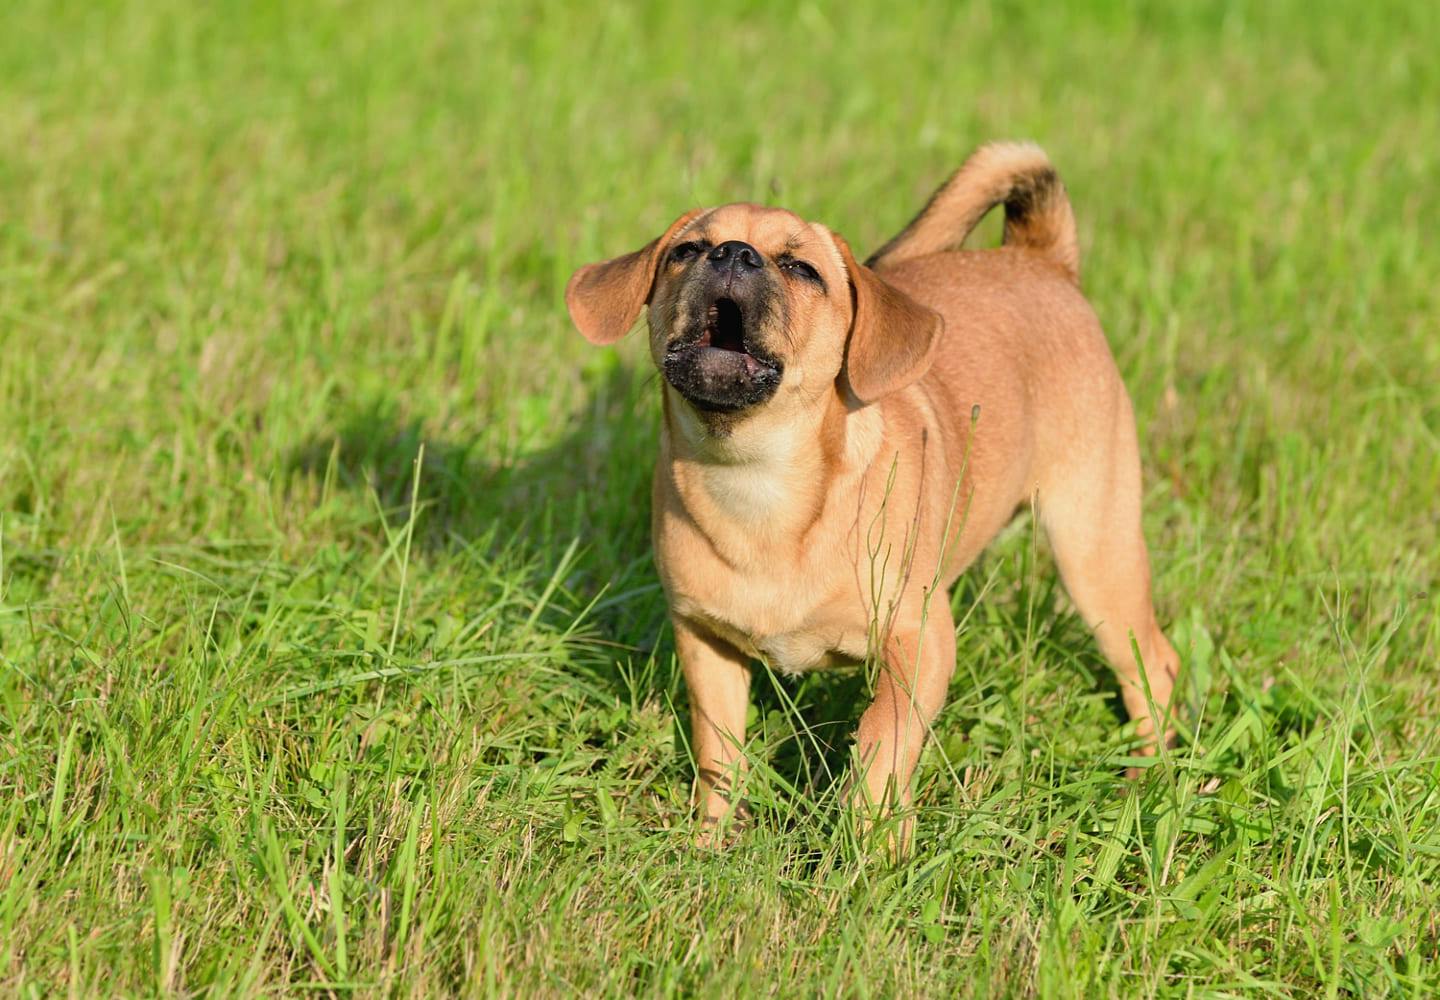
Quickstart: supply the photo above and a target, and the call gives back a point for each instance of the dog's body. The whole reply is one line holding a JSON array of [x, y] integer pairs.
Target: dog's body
[[831, 463]]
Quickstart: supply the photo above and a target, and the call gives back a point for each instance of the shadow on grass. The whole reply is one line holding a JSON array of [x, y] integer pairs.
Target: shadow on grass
[[513, 514], [468, 497]]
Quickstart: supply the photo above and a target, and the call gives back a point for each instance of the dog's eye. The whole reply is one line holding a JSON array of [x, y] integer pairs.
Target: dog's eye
[[684, 252], [801, 268]]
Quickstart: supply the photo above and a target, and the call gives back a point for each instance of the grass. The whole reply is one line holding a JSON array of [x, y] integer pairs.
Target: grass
[[331, 654]]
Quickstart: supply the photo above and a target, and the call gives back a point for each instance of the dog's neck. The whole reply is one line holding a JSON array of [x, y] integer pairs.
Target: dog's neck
[[767, 475]]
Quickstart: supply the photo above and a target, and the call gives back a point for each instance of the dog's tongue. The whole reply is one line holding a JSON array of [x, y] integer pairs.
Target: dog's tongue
[[722, 365]]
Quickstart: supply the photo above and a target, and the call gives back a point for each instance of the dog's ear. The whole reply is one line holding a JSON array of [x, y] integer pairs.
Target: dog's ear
[[604, 299], [892, 337]]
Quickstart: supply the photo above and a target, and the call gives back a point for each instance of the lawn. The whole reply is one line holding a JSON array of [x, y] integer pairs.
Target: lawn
[[332, 657]]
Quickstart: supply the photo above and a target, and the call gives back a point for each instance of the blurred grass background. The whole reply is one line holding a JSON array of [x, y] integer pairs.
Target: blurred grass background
[[289, 704]]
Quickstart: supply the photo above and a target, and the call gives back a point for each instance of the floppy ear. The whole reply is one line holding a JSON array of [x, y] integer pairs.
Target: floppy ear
[[604, 299], [892, 337]]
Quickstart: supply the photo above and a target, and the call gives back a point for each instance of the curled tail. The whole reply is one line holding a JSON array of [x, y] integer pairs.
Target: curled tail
[[1019, 174]]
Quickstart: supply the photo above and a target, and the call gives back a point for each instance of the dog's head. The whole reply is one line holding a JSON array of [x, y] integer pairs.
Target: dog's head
[[754, 307]]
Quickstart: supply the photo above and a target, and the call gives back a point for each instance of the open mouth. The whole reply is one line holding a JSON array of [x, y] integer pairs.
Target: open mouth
[[719, 369], [724, 327]]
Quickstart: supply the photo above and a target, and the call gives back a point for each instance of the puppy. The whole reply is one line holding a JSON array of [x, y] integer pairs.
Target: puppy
[[842, 440]]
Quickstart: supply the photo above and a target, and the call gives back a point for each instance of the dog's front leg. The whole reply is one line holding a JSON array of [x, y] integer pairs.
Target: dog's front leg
[[913, 678], [717, 677]]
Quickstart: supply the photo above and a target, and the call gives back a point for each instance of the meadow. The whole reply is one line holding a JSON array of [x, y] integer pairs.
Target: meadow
[[332, 656]]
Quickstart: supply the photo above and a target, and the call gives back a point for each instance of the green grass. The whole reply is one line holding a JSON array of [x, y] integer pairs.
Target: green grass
[[286, 707]]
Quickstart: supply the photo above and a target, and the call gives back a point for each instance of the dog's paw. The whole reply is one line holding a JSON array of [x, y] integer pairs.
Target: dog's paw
[[720, 831]]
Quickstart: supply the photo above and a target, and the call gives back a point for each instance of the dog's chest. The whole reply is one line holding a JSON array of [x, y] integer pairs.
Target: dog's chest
[[733, 550], [780, 619]]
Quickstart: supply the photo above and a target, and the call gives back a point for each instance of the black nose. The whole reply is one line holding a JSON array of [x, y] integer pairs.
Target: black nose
[[737, 255]]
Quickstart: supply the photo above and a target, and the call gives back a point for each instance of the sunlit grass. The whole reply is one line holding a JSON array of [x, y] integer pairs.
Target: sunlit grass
[[287, 704]]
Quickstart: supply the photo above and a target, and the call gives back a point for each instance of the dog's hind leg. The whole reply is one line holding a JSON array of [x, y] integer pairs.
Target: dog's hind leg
[[1090, 508]]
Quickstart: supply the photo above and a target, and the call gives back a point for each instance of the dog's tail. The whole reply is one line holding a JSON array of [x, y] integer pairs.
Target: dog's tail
[[1037, 210]]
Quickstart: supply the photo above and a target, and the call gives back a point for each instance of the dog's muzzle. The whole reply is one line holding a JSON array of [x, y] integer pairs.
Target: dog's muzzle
[[717, 364]]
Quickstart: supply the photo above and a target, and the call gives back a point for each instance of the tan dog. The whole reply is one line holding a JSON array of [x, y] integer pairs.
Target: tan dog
[[841, 441]]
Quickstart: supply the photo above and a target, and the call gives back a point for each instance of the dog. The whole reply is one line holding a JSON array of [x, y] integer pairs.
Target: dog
[[841, 440]]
